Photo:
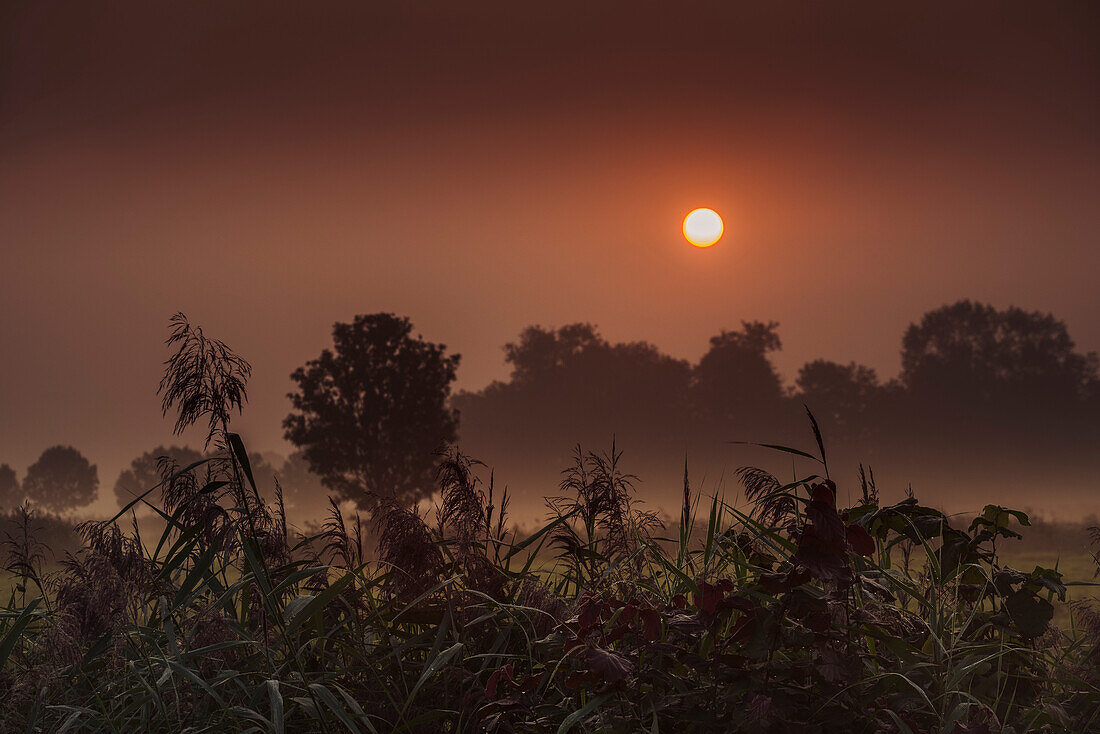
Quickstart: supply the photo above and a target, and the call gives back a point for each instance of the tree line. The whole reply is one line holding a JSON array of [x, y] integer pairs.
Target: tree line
[[369, 414], [985, 396]]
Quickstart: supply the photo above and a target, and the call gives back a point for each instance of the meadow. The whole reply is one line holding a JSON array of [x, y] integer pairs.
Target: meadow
[[786, 614], [798, 615]]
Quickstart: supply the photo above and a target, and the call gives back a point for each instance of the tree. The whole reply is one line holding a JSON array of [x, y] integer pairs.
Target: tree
[[10, 492], [61, 479], [542, 352], [145, 472], [842, 397], [576, 373], [735, 382], [371, 413], [568, 385], [971, 353]]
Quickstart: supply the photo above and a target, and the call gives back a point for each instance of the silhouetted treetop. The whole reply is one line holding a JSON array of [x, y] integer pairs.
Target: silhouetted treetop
[[974, 352], [735, 380], [571, 384], [578, 357], [841, 396], [61, 480], [541, 351], [145, 470], [371, 412]]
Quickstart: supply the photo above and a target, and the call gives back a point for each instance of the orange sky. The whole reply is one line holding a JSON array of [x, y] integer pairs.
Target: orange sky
[[270, 172]]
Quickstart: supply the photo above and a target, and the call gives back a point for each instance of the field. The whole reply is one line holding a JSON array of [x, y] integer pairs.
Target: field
[[787, 614], [798, 616]]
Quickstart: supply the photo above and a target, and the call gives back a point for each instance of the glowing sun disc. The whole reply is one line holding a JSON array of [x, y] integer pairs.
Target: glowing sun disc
[[703, 227]]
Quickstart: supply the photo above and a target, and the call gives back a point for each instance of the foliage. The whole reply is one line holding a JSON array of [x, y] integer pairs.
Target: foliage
[[571, 384], [202, 378], [980, 386], [145, 470], [975, 352], [793, 617], [61, 480], [540, 352], [371, 412], [735, 379], [747, 627], [845, 397]]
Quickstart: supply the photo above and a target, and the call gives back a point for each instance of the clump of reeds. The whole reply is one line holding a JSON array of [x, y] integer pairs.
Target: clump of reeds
[[25, 553], [406, 547], [790, 617], [202, 378], [772, 504], [600, 523]]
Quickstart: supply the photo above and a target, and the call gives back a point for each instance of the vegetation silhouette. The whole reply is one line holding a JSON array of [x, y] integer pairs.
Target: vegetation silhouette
[[203, 378], [735, 383], [978, 386], [798, 614], [848, 398], [61, 480], [1008, 374], [146, 470], [370, 413]]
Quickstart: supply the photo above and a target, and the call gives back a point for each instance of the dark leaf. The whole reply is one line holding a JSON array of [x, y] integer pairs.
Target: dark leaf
[[502, 673], [758, 708], [531, 682], [589, 613], [611, 667], [826, 521], [1030, 613], [860, 540], [824, 492], [706, 599], [801, 604]]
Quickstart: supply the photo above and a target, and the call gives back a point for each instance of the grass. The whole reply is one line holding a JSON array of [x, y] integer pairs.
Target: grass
[[733, 624], [795, 616]]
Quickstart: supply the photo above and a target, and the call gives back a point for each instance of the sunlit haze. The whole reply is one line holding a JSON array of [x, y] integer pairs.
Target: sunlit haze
[[270, 171]]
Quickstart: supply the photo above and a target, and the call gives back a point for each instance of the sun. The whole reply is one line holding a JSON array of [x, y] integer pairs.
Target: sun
[[703, 227]]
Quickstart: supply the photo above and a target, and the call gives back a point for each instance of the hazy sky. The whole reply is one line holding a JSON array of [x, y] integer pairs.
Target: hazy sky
[[270, 171]]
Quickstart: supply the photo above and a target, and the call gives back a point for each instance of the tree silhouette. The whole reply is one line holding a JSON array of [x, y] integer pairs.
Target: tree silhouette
[[145, 470], [569, 385], [842, 397], [61, 479], [735, 383], [982, 377], [371, 412], [973, 353], [541, 352], [11, 494], [574, 375]]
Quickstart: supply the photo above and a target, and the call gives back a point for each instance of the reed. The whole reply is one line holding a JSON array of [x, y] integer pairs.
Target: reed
[[792, 615]]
